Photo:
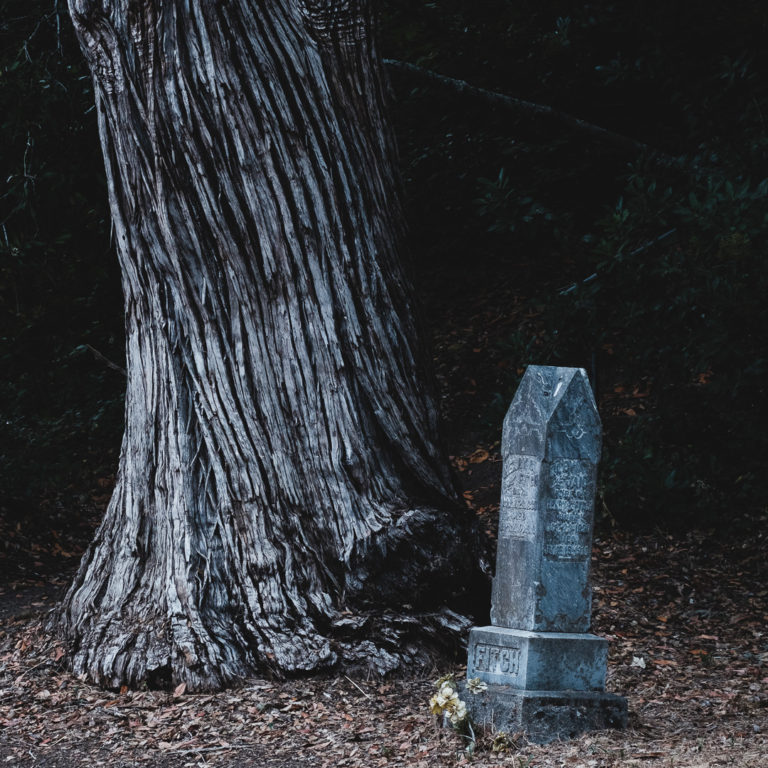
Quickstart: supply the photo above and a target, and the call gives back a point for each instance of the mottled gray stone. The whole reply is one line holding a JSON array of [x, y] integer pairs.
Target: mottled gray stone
[[545, 673], [550, 450], [547, 661], [544, 716]]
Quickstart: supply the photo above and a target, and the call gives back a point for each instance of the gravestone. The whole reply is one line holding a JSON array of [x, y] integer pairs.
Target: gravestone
[[545, 673]]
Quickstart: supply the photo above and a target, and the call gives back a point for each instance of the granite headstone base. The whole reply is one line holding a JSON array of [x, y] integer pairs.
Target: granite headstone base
[[544, 716], [538, 661]]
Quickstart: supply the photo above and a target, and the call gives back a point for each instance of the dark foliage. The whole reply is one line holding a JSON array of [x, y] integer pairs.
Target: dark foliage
[[652, 279], [673, 329], [59, 291]]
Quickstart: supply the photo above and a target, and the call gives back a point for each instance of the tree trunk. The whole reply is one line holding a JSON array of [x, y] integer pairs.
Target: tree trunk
[[280, 461]]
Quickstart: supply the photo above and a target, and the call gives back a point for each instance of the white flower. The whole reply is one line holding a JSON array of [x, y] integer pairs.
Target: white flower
[[446, 702], [448, 690], [458, 714], [476, 685]]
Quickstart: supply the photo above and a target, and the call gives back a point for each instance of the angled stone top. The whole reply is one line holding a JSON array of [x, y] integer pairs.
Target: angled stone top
[[553, 415], [550, 449]]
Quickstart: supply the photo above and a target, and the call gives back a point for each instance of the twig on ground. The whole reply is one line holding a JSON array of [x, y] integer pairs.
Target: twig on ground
[[367, 695], [30, 669], [199, 750]]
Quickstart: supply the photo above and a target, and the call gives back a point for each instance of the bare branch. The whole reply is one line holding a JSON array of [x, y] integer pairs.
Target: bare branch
[[513, 104], [105, 360]]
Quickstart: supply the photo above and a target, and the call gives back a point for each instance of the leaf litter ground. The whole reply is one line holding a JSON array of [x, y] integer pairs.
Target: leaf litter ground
[[686, 616], [686, 619]]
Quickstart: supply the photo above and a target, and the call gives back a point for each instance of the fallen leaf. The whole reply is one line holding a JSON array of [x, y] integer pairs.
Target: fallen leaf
[[478, 456]]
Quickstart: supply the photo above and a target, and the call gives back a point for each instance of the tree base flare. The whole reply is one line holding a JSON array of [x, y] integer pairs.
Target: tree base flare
[[384, 621], [377, 644]]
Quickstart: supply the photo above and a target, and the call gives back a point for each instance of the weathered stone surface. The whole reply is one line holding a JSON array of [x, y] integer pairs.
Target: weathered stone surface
[[545, 715], [545, 673], [547, 661], [550, 447]]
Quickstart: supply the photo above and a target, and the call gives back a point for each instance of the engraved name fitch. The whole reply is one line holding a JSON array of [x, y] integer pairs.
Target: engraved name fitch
[[496, 658]]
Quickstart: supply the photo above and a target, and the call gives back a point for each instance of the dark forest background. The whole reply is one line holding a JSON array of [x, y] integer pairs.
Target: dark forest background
[[645, 266]]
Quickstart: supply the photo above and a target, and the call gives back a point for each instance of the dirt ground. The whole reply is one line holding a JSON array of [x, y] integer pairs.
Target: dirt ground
[[686, 616], [687, 621]]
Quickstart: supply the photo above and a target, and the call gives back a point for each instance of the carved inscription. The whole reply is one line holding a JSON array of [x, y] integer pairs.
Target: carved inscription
[[568, 510], [519, 497], [495, 659]]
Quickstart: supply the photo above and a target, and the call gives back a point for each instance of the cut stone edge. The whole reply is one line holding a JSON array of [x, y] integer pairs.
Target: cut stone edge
[[544, 716]]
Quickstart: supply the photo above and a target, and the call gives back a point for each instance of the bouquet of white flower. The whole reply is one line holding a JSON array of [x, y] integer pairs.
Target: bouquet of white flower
[[446, 702]]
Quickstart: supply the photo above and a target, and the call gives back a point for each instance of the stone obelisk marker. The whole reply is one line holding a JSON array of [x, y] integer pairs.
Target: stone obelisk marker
[[545, 673]]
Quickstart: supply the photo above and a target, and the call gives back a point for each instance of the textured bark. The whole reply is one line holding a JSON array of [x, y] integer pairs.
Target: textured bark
[[280, 461]]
